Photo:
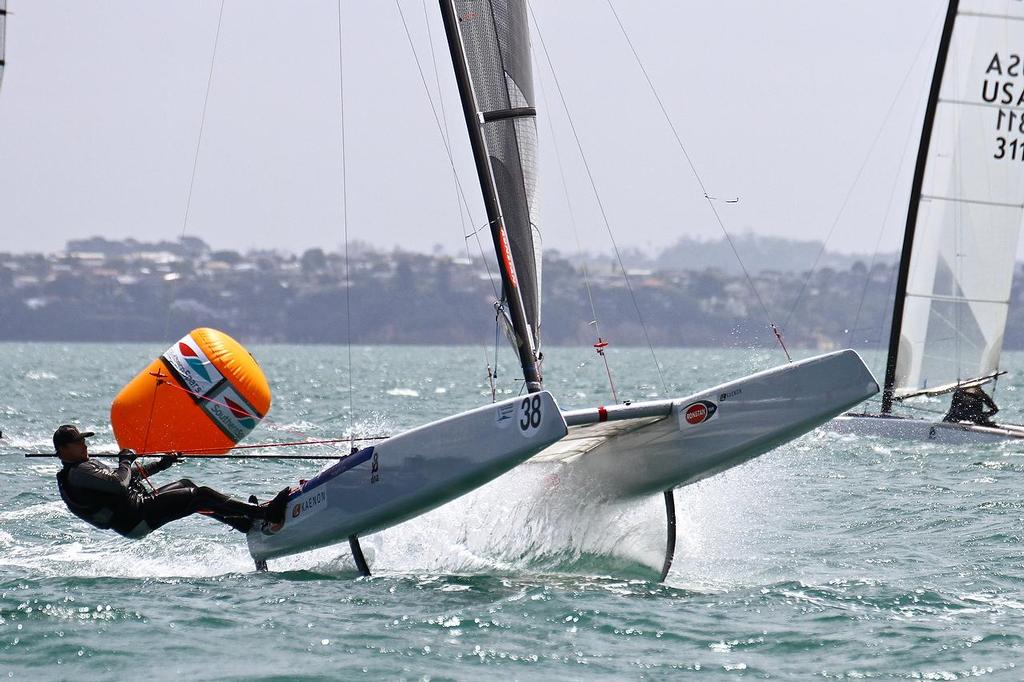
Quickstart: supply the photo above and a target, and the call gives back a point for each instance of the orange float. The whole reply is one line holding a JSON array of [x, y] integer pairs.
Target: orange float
[[206, 392]]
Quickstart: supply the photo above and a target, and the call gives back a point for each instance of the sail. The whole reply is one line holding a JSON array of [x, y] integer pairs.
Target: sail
[[970, 206], [497, 46]]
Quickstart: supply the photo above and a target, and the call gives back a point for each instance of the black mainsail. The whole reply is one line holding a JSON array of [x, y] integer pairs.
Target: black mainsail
[[490, 48]]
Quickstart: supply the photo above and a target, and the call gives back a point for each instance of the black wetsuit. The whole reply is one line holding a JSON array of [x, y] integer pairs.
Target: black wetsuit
[[971, 405], [118, 500]]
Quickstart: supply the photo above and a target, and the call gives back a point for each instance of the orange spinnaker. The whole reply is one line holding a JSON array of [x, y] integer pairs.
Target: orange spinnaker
[[206, 392]]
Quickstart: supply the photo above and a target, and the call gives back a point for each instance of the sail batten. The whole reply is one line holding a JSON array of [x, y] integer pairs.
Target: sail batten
[[968, 205], [959, 299], [966, 200], [489, 116], [966, 103], [992, 15]]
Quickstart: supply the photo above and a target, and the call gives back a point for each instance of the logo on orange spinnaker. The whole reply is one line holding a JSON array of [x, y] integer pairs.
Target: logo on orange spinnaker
[[244, 418], [193, 360]]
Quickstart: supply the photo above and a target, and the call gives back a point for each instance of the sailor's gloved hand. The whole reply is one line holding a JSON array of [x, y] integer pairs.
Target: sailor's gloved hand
[[170, 458], [126, 454]]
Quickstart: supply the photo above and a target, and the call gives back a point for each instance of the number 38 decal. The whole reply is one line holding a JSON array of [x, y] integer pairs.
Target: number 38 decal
[[530, 414]]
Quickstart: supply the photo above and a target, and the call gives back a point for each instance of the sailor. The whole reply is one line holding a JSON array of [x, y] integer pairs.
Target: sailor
[[117, 499], [973, 405]]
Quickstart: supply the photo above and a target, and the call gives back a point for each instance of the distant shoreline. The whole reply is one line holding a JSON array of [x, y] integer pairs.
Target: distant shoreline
[[108, 292]]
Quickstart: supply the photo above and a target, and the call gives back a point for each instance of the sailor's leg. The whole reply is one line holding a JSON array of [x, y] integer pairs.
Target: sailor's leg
[[242, 524], [183, 498], [670, 537], [220, 504], [169, 504]]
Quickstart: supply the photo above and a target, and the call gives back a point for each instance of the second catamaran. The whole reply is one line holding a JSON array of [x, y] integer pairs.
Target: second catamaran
[[963, 223]]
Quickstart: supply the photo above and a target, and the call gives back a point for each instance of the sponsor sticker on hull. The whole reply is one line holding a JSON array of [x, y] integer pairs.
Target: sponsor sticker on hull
[[697, 413], [309, 504], [505, 415]]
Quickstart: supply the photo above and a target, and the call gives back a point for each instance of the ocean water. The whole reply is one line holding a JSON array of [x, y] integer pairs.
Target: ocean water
[[832, 557]]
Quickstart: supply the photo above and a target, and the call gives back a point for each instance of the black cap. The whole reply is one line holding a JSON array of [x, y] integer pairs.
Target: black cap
[[68, 433]]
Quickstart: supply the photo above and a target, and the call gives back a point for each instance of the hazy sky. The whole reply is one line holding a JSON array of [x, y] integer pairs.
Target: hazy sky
[[778, 103]]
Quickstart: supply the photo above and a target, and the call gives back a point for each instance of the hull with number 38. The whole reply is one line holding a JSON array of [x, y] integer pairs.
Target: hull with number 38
[[410, 474]]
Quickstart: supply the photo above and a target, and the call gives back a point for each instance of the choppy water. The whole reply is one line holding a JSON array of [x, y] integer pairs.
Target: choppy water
[[831, 557]]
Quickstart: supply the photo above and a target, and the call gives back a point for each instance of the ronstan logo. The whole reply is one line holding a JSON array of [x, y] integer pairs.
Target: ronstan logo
[[699, 412]]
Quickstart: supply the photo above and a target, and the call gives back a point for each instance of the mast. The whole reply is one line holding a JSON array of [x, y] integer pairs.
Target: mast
[[525, 344], [889, 386]]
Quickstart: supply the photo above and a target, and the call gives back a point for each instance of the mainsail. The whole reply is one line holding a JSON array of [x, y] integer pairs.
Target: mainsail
[[496, 44], [966, 205]]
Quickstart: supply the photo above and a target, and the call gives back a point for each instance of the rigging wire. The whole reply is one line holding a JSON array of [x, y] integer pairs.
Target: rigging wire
[[267, 421], [447, 147], [887, 310], [878, 240], [446, 137], [601, 344], [693, 169], [202, 121], [195, 155], [344, 220], [860, 172], [208, 453], [152, 407], [111, 455], [597, 197], [188, 210], [188, 196], [918, 408], [445, 133]]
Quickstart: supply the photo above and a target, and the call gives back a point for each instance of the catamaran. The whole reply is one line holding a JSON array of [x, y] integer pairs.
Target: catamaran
[[963, 222], [615, 452]]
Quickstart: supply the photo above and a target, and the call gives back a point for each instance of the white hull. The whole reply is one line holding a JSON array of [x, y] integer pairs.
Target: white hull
[[647, 448], [410, 474], [916, 430]]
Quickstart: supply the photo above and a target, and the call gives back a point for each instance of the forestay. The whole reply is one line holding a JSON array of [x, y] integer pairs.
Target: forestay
[[497, 46], [970, 206]]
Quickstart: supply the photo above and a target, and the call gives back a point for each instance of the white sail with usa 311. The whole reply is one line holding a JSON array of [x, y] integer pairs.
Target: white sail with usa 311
[[963, 223]]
